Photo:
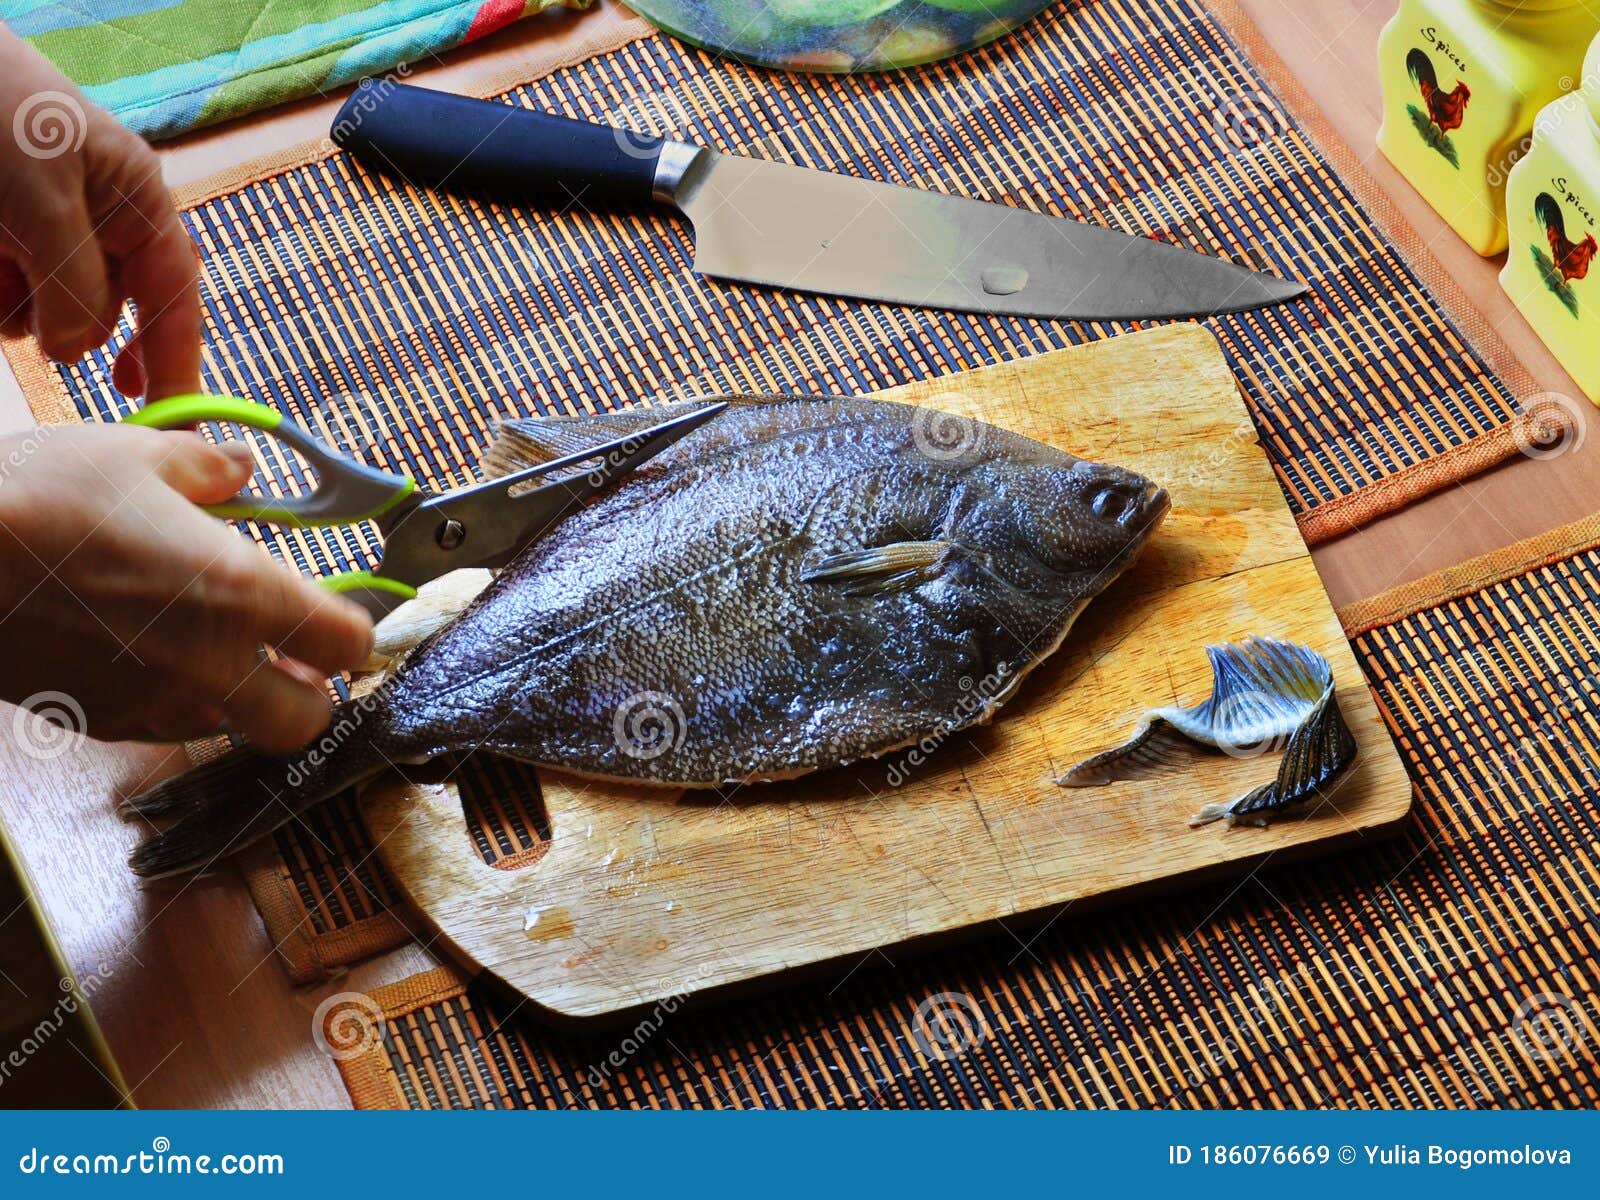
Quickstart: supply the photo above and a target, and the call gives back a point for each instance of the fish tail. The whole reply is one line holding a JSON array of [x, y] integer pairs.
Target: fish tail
[[242, 796]]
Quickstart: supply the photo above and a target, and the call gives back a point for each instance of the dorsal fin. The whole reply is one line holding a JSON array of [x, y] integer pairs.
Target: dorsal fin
[[530, 441]]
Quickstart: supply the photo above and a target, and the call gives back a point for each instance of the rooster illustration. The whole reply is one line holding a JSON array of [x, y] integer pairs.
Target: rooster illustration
[[1440, 111], [1572, 259], [1567, 260], [1445, 109]]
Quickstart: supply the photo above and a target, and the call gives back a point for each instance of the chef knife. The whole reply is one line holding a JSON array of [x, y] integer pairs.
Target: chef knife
[[791, 227]]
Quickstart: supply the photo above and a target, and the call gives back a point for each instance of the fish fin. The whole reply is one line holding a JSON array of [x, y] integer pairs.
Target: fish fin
[[879, 569], [1257, 699], [1265, 694], [1157, 749], [532, 441], [1262, 690], [1319, 755], [169, 799], [240, 797]]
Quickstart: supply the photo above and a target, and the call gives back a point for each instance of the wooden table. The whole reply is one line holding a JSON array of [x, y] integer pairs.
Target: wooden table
[[184, 986]]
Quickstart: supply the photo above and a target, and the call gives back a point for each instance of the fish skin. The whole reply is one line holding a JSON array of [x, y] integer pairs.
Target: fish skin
[[799, 584]]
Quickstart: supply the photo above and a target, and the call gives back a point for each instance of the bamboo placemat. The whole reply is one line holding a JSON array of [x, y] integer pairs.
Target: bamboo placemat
[[1453, 967], [405, 324], [322, 279]]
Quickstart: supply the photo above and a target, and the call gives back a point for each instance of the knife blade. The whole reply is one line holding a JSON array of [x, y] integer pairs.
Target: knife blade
[[785, 226]]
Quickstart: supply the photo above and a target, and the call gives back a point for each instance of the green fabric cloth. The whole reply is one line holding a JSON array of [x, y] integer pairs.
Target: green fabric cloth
[[167, 66]]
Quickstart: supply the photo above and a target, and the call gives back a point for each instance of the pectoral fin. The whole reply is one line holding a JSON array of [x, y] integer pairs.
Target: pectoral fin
[[880, 569]]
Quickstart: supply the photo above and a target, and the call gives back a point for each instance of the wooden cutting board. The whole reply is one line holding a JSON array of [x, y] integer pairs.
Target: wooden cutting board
[[645, 895]]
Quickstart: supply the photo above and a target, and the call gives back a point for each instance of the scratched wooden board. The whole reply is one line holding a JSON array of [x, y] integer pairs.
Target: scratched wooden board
[[646, 894]]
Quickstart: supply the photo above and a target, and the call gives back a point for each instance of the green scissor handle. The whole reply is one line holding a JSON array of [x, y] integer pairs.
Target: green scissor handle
[[347, 491]]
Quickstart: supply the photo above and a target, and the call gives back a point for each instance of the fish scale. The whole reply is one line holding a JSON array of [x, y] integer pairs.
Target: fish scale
[[797, 585]]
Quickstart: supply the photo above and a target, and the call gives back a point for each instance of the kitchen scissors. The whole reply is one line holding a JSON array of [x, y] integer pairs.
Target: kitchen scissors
[[425, 535]]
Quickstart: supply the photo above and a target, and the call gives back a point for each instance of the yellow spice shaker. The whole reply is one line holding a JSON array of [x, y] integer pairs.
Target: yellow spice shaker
[[1552, 204], [1462, 82]]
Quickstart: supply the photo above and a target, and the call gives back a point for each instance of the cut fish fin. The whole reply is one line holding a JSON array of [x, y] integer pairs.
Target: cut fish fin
[[879, 569], [1262, 689], [1319, 755], [533, 441], [1266, 695], [181, 794], [1159, 748]]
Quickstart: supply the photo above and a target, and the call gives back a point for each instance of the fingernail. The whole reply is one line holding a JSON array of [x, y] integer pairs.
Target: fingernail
[[239, 451]]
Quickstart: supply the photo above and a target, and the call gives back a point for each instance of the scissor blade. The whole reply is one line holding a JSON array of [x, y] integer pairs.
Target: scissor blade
[[621, 455], [490, 523]]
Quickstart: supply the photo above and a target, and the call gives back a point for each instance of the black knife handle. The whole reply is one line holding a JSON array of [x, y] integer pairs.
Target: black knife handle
[[500, 152]]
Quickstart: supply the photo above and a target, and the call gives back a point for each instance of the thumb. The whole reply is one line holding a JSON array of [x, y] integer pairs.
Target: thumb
[[204, 473]]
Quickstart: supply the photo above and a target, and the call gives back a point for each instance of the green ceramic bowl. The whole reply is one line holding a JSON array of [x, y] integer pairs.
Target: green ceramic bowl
[[838, 36]]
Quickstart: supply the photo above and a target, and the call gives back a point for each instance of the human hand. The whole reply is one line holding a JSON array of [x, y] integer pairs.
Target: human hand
[[118, 591], [86, 223]]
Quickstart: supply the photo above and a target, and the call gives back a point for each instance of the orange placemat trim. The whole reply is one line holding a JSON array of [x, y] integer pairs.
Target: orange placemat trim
[[1351, 512], [367, 1073], [39, 383], [1473, 575], [306, 954]]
